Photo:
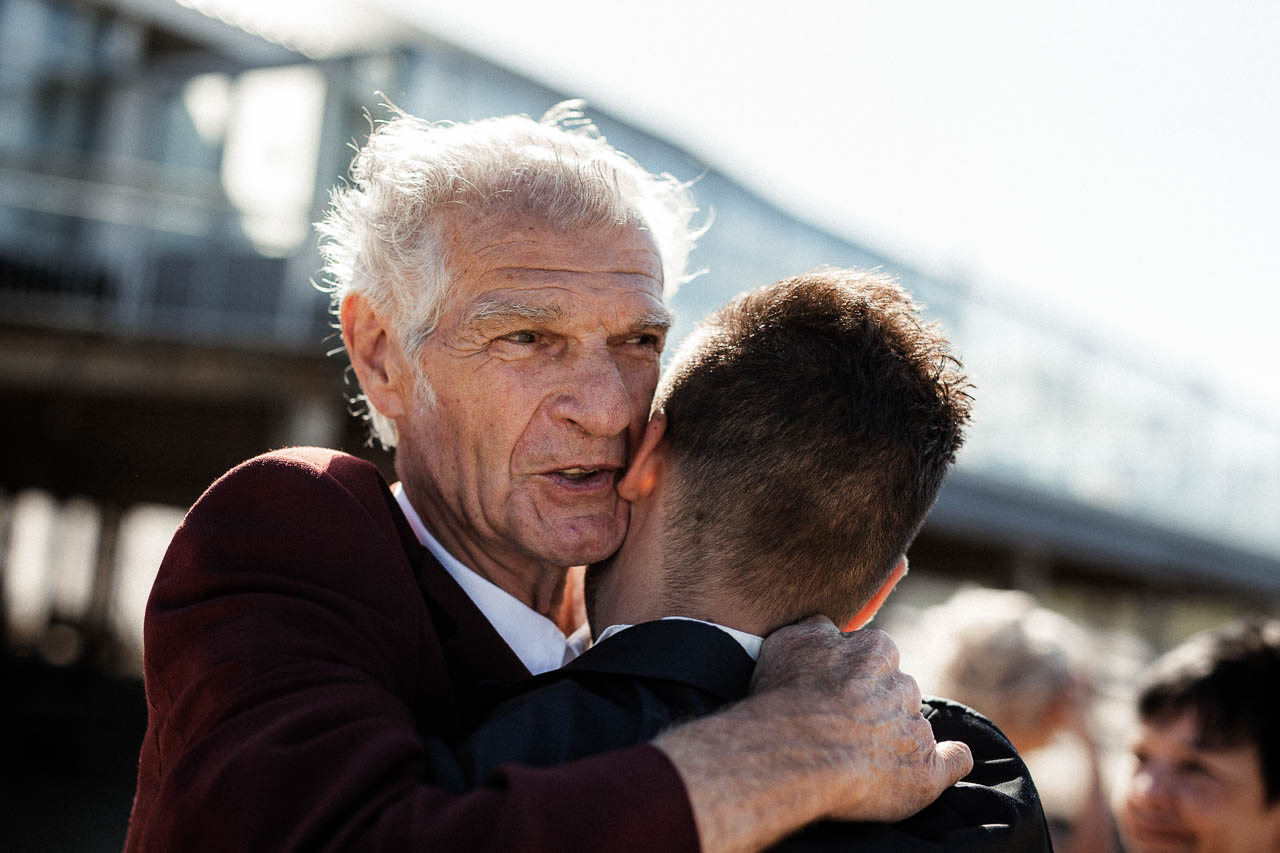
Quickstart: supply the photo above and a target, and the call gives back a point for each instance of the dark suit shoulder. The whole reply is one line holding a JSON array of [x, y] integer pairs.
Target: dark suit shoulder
[[561, 720], [994, 809], [953, 721], [996, 806], [996, 764], [621, 692]]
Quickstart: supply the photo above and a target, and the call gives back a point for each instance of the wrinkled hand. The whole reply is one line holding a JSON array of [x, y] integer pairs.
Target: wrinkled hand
[[859, 717], [832, 729]]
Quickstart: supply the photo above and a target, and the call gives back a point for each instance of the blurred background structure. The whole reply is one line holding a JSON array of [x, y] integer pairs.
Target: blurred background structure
[[161, 164]]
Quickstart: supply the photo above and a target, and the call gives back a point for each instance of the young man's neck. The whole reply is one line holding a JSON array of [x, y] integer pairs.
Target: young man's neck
[[632, 610], [627, 588], [632, 587], [635, 584]]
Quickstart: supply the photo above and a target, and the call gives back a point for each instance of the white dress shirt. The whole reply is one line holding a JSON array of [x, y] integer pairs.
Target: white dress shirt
[[535, 639], [750, 642]]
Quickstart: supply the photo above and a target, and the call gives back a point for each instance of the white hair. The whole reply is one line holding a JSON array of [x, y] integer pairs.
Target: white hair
[[382, 236], [1000, 652]]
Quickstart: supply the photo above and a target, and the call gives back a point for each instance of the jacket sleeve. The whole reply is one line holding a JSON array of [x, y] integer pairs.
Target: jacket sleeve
[[995, 809], [286, 647]]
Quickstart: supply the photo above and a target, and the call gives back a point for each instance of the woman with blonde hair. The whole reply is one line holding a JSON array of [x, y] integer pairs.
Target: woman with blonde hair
[[1015, 662]]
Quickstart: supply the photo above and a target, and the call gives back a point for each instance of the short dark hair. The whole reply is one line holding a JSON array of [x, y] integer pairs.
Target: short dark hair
[[1228, 678], [810, 424]]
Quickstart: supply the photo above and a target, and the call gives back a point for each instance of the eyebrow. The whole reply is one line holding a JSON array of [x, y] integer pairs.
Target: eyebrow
[[656, 320], [493, 311], [498, 311]]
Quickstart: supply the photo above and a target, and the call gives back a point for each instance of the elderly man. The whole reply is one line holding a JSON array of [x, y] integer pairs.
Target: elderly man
[[1204, 762], [317, 645]]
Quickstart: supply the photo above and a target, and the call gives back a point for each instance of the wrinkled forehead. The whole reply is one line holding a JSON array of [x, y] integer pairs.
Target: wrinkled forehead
[[478, 241], [514, 261]]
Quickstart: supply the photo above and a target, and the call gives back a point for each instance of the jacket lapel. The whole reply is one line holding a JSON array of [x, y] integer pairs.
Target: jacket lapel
[[476, 661], [691, 653]]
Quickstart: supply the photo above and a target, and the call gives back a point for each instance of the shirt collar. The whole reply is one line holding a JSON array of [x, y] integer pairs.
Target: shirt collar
[[535, 639], [750, 642]]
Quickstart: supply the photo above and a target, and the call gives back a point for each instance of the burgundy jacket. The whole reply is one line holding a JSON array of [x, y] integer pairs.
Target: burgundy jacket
[[310, 669]]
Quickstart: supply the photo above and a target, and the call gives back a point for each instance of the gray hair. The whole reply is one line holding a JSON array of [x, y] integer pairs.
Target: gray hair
[[382, 236], [1003, 654]]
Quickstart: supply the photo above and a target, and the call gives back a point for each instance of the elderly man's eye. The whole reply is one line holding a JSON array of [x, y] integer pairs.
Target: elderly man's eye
[[522, 337], [645, 340]]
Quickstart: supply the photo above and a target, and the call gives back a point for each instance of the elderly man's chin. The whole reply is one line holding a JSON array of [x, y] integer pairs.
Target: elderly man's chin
[[575, 538]]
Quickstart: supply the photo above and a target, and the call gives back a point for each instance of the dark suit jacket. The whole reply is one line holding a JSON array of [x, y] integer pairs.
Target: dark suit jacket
[[632, 686], [309, 668]]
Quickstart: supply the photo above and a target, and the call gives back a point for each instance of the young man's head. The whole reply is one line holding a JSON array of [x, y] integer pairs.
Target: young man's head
[[799, 439], [1205, 756]]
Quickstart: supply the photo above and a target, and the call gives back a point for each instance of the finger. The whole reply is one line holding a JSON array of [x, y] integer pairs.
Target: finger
[[955, 761], [911, 688], [875, 644], [817, 620]]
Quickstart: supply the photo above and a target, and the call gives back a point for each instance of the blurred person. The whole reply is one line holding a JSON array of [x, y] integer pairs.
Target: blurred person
[[316, 643], [1001, 653], [1204, 757], [797, 443]]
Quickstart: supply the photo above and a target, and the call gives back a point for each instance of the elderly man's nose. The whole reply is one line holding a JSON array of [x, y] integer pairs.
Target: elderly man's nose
[[595, 398]]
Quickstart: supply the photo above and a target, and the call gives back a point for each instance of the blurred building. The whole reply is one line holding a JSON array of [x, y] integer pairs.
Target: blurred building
[[161, 164]]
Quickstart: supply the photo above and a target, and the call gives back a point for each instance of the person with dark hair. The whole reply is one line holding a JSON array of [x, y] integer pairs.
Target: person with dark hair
[[1204, 772], [797, 443]]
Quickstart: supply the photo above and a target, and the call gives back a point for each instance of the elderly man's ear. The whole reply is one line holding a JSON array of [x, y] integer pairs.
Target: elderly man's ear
[[645, 469], [375, 356]]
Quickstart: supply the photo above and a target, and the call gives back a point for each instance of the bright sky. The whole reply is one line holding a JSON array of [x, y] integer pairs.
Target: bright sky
[[1114, 163]]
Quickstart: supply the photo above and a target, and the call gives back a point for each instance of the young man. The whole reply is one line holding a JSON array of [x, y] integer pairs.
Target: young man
[[1204, 764], [797, 443]]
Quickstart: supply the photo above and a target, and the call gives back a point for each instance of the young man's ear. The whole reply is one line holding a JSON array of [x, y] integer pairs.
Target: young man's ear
[[375, 356], [645, 469], [863, 616]]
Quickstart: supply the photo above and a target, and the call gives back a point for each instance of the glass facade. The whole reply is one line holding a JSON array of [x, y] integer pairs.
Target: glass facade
[[157, 187]]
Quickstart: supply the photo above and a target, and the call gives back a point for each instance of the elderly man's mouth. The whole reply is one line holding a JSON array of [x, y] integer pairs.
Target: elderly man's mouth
[[584, 479]]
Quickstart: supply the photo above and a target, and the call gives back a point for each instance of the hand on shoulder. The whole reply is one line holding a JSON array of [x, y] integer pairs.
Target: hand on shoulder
[[833, 729], [861, 717]]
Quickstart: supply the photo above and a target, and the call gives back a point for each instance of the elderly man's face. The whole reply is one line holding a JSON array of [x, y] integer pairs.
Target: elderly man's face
[[536, 380], [1178, 796]]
